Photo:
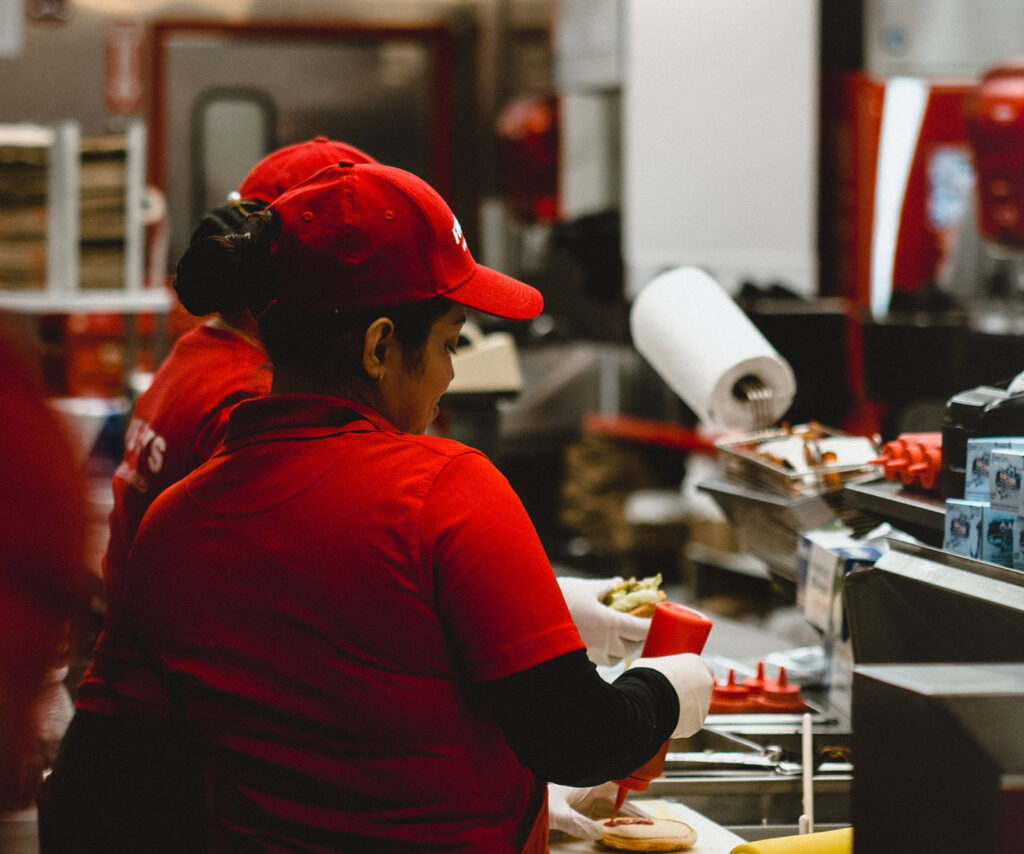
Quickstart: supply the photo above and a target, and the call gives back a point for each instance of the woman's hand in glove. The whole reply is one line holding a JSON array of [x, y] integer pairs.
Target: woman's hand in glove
[[579, 812], [609, 635], [693, 681]]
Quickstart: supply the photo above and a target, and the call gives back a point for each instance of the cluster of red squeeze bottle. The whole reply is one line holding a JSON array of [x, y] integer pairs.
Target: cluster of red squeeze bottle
[[914, 459], [757, 694]]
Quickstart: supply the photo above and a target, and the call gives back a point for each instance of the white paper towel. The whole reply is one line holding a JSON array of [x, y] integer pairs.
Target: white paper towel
[[701, 343]]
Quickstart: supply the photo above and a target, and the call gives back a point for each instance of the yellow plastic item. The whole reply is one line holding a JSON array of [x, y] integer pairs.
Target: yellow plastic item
[[826, 842]]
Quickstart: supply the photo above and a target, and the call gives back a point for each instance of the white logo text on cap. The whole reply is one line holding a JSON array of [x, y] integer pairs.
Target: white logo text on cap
[[457, 234]]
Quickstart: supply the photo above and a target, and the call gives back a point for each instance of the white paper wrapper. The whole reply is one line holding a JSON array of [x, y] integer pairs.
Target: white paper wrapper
[[701, 343]]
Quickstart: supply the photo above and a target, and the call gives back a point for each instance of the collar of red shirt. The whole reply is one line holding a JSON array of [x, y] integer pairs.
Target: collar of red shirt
[[282, 414]]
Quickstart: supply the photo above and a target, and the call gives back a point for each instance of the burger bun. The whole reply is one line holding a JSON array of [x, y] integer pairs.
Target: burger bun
[[658, 834]]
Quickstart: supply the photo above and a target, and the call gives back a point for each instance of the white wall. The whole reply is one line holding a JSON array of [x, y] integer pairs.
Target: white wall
[[720, 139]]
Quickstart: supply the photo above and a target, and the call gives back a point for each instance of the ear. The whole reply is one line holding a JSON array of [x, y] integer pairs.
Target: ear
[[379, 338]]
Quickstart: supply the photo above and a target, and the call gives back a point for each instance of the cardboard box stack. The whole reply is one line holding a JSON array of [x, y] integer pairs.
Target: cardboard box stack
[[987, 524], [25, 153], [103, 198]]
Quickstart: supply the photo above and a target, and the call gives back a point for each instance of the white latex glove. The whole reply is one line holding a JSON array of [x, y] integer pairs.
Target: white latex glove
[[54, 713], [693, 681], [609, 635], [54, 710], [579, 812]]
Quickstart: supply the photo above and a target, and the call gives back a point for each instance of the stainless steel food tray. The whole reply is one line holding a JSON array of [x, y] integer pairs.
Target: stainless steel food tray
[[741, 462]]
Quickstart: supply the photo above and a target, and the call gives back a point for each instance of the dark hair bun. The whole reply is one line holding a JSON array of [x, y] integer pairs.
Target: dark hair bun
[[211, 275]]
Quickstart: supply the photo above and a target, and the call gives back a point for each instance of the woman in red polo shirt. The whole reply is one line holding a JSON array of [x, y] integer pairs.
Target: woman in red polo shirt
[[358, 618], [128, 778]]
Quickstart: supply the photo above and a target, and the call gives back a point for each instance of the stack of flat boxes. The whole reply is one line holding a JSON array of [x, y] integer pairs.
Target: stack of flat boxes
[[25, 155], [103, 197], [988, 522]]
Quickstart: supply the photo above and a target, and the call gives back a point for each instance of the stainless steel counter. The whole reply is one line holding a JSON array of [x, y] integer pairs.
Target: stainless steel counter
[[919, 514], [920, 604]]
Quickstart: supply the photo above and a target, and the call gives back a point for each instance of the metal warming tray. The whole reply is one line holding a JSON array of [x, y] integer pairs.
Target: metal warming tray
[[744, 463], [768, 525]]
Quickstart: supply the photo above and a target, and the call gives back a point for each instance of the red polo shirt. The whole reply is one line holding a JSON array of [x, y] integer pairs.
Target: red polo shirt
[[176, 424], [323, 594]]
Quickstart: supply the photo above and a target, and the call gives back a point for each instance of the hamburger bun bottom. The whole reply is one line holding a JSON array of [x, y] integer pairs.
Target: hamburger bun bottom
[[661, 834]]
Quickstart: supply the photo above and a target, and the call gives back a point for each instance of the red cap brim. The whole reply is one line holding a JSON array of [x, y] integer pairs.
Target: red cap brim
[[495, 293]]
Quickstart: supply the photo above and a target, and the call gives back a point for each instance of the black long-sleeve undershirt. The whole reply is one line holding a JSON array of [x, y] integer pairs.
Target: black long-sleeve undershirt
[[570, 726]]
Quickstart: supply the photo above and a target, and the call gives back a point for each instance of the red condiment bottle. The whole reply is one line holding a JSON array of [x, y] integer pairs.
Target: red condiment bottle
[[674, 629], [755, 684], [779, 696], [730, 698]]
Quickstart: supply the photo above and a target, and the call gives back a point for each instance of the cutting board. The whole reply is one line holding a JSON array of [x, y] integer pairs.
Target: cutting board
[[711, 837]]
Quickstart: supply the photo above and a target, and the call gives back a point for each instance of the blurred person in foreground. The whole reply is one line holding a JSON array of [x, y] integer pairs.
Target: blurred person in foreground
[[44, 582], [358, 618]]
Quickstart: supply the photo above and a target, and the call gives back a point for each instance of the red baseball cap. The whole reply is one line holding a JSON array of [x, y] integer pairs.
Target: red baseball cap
[[359, 236], [282, 169]]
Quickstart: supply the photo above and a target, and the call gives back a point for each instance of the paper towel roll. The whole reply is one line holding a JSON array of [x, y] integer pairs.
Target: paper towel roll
[[702, 344]]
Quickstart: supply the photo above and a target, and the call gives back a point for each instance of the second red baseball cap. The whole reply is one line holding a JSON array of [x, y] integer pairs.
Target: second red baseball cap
[[284, 168], [359, 236]]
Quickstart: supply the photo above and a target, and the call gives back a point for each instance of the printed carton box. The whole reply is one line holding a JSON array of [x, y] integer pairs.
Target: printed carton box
[[823, 563], [976, 472], [963, 525], [997, 536], [1006, 480]]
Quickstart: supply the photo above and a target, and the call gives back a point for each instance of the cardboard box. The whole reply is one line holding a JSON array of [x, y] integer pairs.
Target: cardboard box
[[823, 562], [976, 475], [997, 538], [963, 525], [1006, 480], [1018, 542]]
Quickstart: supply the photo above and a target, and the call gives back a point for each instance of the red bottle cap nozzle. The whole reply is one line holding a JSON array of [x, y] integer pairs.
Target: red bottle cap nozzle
[[731, 688], [755, 684], [640, 779], [779, 695], [729, 698]]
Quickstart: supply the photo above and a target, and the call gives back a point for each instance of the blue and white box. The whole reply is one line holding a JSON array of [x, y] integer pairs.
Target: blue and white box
[[997, 540], [1018, 542], [964, 521], [1006, 480], [825, 558], [976, 474]]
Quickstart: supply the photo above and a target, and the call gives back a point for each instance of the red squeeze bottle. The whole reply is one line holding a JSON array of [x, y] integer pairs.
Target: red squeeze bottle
[[755, 684], [730, 698], [927, 471], [781, 696], [906, 450], [674, 629]]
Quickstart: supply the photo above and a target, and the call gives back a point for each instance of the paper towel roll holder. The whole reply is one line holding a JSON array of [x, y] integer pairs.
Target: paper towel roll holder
[[749, 388]]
